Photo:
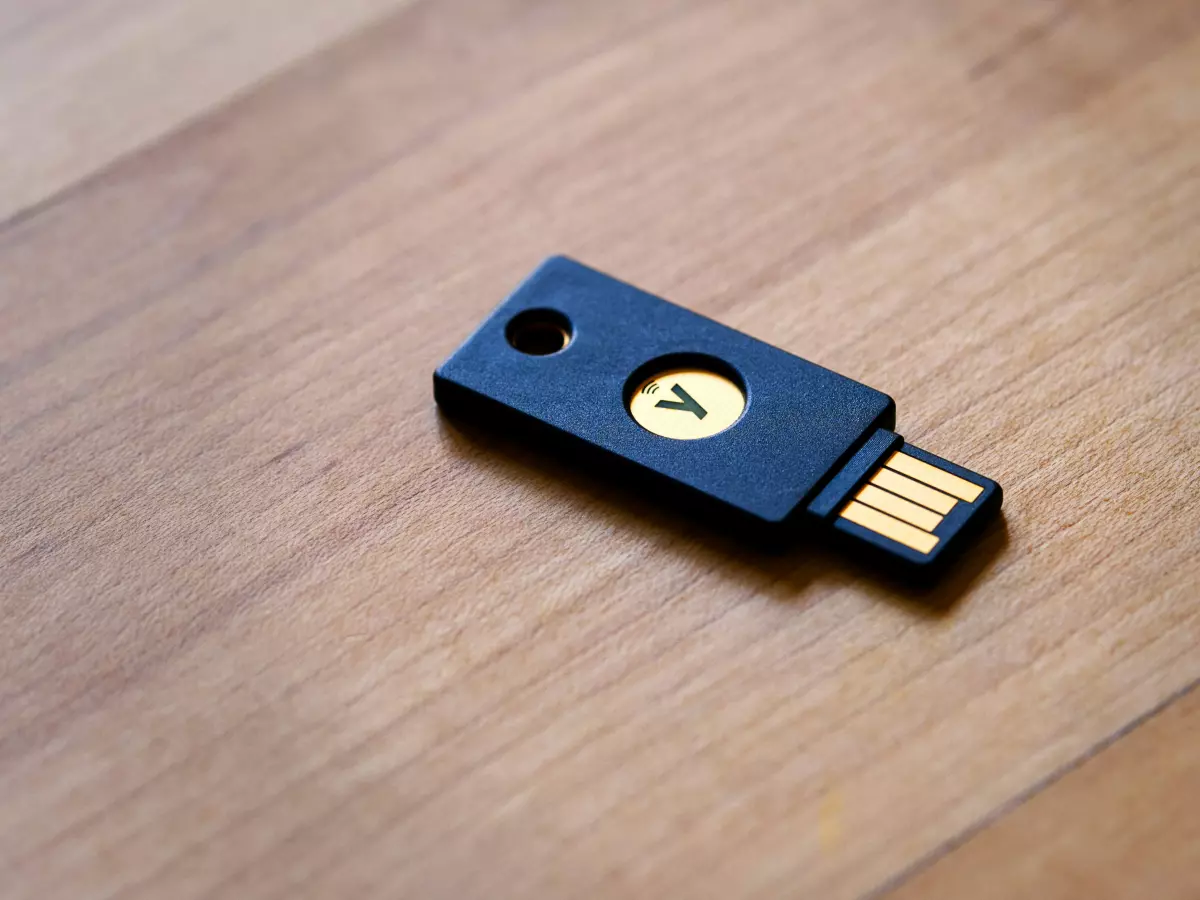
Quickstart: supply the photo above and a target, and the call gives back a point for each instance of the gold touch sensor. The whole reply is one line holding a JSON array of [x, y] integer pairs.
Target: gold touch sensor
[[687, 403]]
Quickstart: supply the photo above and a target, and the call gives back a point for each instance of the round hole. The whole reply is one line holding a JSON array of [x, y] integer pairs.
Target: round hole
[[539, 332]]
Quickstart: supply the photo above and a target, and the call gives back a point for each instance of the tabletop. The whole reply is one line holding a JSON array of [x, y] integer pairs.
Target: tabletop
[[273, 627]]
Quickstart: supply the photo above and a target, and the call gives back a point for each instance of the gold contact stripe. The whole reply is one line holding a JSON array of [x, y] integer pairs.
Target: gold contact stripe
[[934, 477], [882, 523], [913, 490], [899, 507]]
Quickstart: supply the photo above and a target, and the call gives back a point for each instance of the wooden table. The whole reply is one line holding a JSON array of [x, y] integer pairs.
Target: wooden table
[[273, 628]]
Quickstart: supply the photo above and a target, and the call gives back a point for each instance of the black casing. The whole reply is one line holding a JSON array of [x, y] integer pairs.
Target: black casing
[[802, 422]]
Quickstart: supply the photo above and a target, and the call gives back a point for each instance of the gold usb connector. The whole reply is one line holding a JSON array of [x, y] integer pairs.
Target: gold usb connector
[[918, 502], [907, 503]]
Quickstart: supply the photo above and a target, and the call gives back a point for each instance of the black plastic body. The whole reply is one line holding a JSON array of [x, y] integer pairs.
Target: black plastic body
[[801, 425]]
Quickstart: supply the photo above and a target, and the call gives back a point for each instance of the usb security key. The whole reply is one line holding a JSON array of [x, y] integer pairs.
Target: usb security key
[[703, 415]]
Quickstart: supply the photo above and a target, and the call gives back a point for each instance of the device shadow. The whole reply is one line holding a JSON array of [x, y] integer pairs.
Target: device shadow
[[788, 574]]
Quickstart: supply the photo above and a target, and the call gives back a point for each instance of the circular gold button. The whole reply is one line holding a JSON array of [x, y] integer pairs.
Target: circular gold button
[[687, 403]]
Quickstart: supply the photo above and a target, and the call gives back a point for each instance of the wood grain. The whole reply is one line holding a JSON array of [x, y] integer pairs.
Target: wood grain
[[81, 84], [271, 627], [1124, 824]]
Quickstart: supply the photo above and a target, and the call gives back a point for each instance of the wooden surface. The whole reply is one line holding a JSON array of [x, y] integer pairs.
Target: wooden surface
[[272, 628], [1125, 824]]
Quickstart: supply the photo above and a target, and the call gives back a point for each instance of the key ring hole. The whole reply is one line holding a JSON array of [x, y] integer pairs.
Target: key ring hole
[[539, 332]]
